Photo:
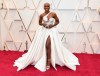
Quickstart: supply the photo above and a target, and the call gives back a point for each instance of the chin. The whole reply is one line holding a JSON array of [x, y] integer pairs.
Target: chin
[[47, 9]]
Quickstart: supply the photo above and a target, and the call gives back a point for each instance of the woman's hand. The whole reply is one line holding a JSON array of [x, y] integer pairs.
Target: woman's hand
[[50, 26], [44, 24]]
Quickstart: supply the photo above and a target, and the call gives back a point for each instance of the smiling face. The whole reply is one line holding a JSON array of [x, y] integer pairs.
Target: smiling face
[[46, 7]]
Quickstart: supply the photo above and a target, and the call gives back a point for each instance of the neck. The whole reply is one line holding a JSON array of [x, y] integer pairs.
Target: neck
[[47, 11]]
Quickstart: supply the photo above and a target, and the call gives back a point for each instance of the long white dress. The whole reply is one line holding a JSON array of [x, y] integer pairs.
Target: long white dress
[[36, 54]]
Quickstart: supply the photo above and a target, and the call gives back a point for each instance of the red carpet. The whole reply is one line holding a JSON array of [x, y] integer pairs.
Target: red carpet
[[90, 66]]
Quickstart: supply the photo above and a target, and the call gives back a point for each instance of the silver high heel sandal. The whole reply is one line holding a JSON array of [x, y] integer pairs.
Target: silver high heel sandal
[[48, 66]]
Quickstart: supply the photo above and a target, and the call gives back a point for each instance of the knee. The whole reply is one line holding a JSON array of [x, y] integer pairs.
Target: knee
[[48, 45]]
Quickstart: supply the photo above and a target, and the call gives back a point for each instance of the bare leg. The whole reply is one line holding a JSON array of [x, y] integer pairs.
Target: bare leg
[[48, 51]]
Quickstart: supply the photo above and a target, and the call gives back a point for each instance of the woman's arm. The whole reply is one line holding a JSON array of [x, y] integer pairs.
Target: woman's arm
[[40, 20], [56, 20]]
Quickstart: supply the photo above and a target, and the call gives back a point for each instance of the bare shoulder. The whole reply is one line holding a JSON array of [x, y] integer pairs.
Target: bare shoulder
[[53, 13], [41, 15]]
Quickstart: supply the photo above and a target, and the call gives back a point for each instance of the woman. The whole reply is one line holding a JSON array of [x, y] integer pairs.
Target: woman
[[46, 48]]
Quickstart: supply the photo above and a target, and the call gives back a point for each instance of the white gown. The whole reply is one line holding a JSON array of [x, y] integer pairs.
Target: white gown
[[36, 54]]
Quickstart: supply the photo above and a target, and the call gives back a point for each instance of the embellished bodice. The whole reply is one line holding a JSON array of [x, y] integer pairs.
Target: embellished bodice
[[48, 21]]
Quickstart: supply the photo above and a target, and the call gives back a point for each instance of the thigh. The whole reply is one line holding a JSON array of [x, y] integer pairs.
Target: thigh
[[48, 41]]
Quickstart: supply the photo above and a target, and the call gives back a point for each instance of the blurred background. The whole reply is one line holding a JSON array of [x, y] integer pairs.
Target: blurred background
[[79, 27]]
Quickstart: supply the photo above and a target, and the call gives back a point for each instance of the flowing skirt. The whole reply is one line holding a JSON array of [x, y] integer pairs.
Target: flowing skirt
[[36, 54]]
